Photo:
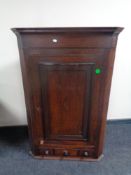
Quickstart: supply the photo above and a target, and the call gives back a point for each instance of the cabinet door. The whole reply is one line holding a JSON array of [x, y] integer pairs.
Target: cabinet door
[[66, 99]]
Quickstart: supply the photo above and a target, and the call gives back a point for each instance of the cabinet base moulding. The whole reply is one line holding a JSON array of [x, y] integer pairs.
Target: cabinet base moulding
[[65, 158]]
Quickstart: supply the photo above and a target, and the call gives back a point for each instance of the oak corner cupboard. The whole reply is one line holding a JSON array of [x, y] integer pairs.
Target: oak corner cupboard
[[67, 77]]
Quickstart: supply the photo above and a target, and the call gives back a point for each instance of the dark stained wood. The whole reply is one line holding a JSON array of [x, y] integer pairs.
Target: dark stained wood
[[66, 100], [64, 89]]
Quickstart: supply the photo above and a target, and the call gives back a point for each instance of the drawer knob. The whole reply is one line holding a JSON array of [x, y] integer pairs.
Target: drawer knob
[[65, 153], [86, 153], [46, 152], [54, 40]]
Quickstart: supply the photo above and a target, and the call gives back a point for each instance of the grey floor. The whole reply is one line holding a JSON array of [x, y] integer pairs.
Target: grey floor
[[15, 160]]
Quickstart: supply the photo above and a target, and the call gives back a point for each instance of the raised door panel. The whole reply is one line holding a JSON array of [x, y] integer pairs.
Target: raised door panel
[[66, 99]]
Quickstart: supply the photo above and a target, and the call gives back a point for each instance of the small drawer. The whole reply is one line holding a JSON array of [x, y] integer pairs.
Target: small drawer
[[65, 152], [64, 40]]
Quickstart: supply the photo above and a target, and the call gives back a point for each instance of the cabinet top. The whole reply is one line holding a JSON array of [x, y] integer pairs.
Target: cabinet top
[[112, 30]]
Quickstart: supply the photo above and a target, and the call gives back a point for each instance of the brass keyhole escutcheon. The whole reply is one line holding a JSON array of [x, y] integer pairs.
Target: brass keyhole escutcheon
[[97, 71], [41, 142]]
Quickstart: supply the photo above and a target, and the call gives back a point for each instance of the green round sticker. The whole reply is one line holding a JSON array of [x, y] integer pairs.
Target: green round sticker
[[98, 71]]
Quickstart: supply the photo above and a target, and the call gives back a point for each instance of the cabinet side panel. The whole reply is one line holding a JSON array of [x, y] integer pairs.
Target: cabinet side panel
[[33, 127], [27, 92], [109, 64]]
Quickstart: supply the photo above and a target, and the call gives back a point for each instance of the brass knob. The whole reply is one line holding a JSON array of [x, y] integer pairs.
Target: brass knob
[[65, 153]]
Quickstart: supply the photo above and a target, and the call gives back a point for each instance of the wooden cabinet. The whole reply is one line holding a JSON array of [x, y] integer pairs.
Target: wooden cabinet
[[67, 76]]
